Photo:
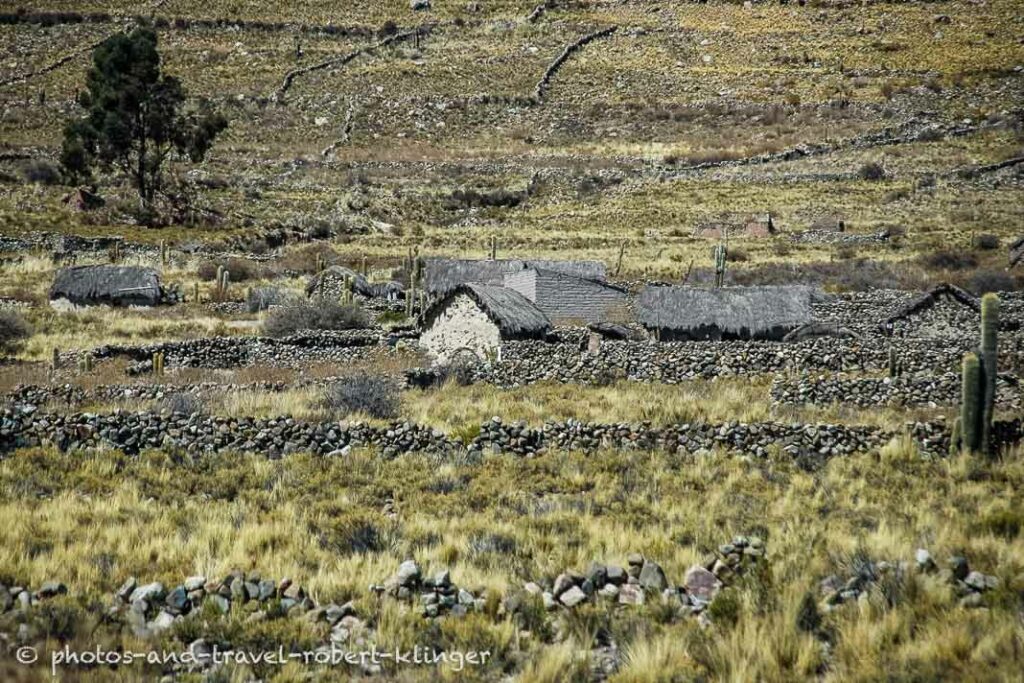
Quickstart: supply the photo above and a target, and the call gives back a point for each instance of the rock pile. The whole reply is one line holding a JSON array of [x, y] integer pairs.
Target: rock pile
[[150, 608], [435, 596], [642, 580], [969, 586], [16, 597]]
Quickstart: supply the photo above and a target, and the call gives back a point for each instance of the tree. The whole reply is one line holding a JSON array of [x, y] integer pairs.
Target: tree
[[135, 119]]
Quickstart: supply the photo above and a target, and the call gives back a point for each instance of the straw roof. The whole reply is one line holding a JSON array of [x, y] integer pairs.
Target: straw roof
[[812, 330], [515, 315], [110, 285], [441, 275], [932, 297], [745, 312]]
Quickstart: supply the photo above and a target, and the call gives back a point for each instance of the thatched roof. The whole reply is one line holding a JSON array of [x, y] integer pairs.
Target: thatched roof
[[736, 311], [514, 314], [932, 297], [111, 285], [441, 275]]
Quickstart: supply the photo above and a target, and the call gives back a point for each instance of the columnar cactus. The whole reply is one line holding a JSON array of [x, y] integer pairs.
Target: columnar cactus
[[55, 359], [970, 403], [719, 255], [164, 252], [894, 362], [158, 363], [494, 247], [989, 365], [195, 292]]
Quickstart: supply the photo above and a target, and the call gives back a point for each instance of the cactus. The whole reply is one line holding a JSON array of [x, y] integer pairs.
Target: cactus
[[989, 365], [970, 408], [223, 279], [158, 363], [320, 264], [363, 267], [955, 437], [195, 292], [894, 364], [622, 252], [164, 252], [720, 252], [55, 359], [494, 247], [115, 252]]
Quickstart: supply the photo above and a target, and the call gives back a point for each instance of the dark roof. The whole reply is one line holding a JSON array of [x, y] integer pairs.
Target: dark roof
[[440, 275], [568, 276], [736, 310], [112, 285], [933, 296], [821, 329], [514, 314]]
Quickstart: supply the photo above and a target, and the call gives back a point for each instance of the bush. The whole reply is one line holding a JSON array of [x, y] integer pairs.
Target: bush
[[42, 172], [986, 241], [13, 331], [319, 315], [948, 260], [871, 171], [985, 281], [370, 394]]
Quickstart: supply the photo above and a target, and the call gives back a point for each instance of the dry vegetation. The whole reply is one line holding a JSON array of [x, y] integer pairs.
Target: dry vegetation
[[442, 154]]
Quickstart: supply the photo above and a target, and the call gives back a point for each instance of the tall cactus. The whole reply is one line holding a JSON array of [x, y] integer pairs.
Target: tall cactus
[[989, 365], [719, 255], [970, 403]]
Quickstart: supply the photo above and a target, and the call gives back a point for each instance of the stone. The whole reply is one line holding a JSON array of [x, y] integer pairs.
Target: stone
[[631, 595], [408, 573], [958, 565], [563, 583], [615, 574], [193, 583], [147, 593], [162, 622], [977, 581], [609, 591], [6, 600], [443, 579], [125, 591], [701, 584], [597, 574], [177, 600], [532, 588], [51, 589], [572, 597], [652, 577], [549, 600], [223, 604], [419, 5], [924, 560]]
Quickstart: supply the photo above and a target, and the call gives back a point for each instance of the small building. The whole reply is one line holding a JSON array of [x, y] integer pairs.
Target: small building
[[331, 281], [106, 285], [567, 299], [943, 311], [736, 225], [441, 275], [479, 318], [691, 314]]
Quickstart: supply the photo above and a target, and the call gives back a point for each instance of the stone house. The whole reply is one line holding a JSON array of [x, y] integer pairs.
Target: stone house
[[567, 299], [478, 318]]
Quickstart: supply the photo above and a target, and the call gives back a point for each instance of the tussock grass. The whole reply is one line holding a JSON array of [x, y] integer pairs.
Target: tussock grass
[[99, 518]]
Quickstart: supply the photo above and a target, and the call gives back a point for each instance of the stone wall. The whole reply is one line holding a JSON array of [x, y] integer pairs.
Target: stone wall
[[940, 390], [134, 432]]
